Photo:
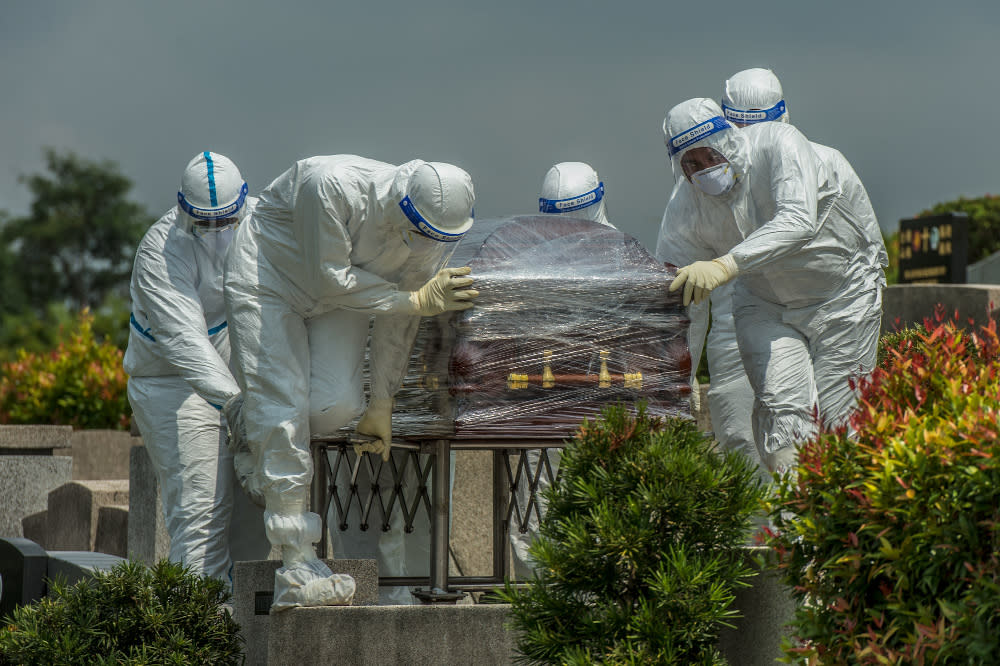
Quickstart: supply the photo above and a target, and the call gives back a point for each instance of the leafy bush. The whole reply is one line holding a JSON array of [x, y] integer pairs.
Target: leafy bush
[[131, 614], [35, 331], [80, 383], [892, 540], [640, 548]]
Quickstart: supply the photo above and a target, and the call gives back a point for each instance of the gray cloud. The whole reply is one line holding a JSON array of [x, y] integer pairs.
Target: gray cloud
[[502, 89]]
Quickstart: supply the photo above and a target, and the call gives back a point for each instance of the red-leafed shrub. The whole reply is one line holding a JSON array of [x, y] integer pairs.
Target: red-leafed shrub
[[79, 383], [891, 539]]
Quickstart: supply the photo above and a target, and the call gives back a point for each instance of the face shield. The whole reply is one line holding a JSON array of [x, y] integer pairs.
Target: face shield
[[438, 210], [571, 204], [704, 147], [212, 199], [744, 117], [753, 96], [208, 220], [573, 189]]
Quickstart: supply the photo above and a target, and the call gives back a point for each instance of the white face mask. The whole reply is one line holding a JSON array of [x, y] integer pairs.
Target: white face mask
[[715, 180]]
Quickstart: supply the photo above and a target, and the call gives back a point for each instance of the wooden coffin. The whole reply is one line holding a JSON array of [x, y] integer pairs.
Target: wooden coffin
[[572, 315]]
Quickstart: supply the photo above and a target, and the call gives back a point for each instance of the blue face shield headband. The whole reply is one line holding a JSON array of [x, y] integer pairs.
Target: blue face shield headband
[[425, 227], [676, 144], [573, 203], [755, 116], [213, 213]]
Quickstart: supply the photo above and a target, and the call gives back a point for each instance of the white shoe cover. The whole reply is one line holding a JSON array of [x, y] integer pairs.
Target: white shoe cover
[[310, 583]]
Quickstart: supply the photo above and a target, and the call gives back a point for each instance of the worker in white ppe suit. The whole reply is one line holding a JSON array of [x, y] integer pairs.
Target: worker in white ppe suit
[[179, 375], [749, 97], [569, 189], [333, 241], [759, 207]]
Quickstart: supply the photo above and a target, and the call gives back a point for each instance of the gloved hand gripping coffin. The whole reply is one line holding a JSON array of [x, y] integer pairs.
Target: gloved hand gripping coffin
[[571, 315]]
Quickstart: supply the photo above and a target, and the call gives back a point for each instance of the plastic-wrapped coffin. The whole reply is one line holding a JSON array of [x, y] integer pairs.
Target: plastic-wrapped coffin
[[571, 315]]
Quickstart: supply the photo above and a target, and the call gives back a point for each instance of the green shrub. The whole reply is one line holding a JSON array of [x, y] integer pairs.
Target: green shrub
[[640, 548], [891, 539], [898, 340], [131, 614], [79, 383]]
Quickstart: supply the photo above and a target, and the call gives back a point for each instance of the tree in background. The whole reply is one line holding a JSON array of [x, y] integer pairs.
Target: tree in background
[[74, 250], [892, 249], [78, 242], [984, 222]]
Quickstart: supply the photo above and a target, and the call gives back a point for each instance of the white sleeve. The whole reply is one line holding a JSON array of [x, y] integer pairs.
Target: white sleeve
[[324, 213], [392, 342], [168, 298], [791, 167]]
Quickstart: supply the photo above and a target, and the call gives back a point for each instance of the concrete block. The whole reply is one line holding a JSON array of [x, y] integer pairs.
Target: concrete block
[[99, 454], [907, 304], [984, 271], [767, 607], [15, 439], [25, 483], [23, 567], [112, 530], [472, 514], [253, 590], [70, 566], [378, 635], [74, 510], [148, 540], [36, 527]]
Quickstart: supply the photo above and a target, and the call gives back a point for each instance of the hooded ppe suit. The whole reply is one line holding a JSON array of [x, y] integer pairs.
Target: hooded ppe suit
[[179, 376], [333, 241], [573, 189], [807, 300], [570, 189]]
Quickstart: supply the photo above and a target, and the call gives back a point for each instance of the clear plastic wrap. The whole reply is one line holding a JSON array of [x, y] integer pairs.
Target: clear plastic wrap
[[571, 315]]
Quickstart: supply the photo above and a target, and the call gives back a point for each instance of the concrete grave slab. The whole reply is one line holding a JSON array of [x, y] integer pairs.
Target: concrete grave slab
[[73, 512], [253, 589], [23, 567], [25, 483]]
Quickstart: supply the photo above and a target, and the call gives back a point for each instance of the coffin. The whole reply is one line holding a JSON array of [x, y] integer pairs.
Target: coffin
[[572, 315]]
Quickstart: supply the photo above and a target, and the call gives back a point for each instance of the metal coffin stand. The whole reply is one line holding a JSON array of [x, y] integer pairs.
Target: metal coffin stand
[[380, 502]]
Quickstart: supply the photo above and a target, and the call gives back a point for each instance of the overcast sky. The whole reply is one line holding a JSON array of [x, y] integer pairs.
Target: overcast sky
[[906, 91]]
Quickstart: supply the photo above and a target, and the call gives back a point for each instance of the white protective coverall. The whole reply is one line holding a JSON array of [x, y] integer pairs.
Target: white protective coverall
[[333, 241], [179, 376], [807, 302], [569, 189]]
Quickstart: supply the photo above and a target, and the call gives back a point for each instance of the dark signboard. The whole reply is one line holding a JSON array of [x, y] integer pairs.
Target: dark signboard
[[934, 249]]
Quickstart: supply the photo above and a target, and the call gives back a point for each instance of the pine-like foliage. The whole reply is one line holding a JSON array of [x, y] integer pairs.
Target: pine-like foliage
[[132, 615], [641, 547]]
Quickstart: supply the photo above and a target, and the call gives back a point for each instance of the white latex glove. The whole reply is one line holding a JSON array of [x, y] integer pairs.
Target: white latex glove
[[377, 422], [444, 292], [701, 277]]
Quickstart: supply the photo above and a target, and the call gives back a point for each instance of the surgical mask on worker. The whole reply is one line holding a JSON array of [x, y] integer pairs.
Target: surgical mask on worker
[[715, 180]]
